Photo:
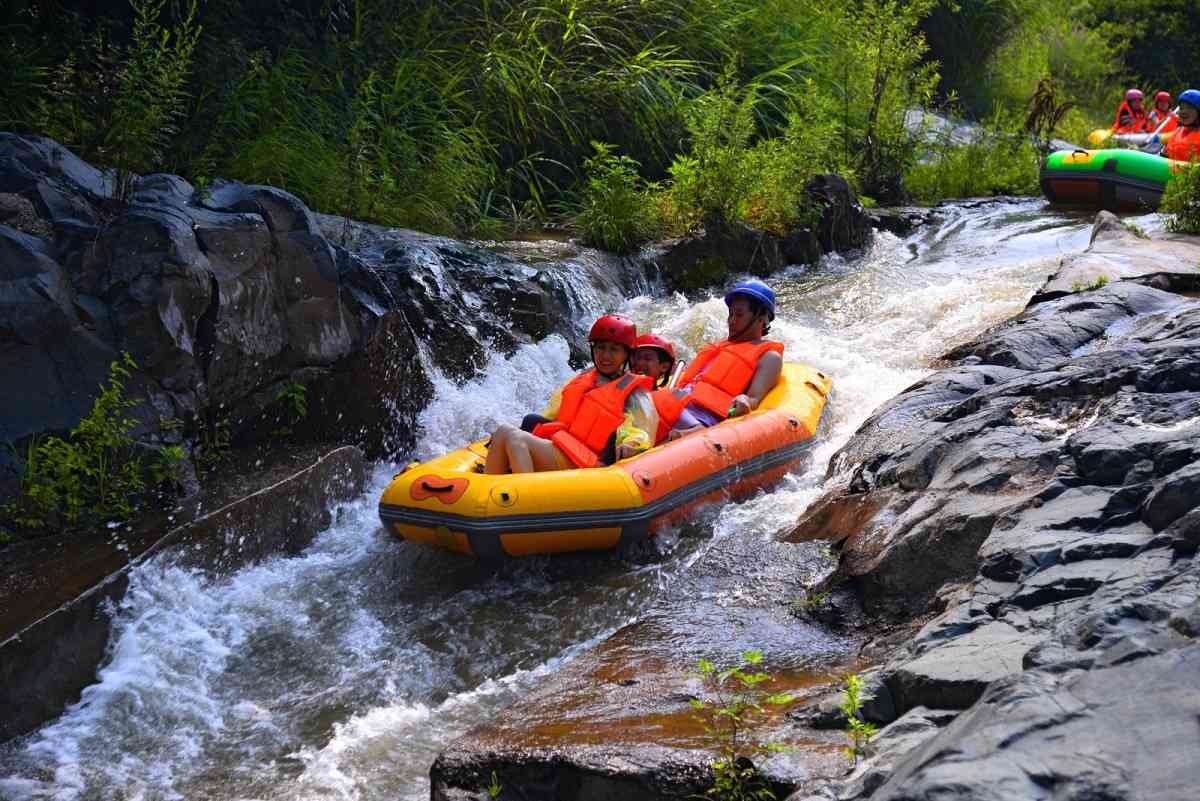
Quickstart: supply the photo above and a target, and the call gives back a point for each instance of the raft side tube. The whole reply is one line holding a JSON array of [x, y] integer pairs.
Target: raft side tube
[[445, 502]]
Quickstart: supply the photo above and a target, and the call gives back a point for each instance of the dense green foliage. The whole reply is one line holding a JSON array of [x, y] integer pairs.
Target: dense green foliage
[[1181, 202], [476, 115], [1160, 39], [994, 52], [997, 162]]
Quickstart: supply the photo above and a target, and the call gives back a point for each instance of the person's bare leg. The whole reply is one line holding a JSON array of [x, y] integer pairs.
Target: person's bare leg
[[497, 457], [519, 460], [545, 455], [528, 453]]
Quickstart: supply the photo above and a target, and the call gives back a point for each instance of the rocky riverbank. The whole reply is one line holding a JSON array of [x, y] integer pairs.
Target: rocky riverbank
[[1031, 516], [1016, 542]]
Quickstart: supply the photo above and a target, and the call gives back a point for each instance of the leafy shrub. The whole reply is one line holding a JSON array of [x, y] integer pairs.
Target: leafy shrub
[[151, 90], [1000, 161], [736, 703], [858, 731], [122, 106], [1181, 201], [94, 474], [884, 38], [710, 183], [727, 177], [613, 210], [1085, 61]]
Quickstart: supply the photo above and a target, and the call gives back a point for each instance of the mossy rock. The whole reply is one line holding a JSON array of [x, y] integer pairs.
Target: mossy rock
[[711, 270]]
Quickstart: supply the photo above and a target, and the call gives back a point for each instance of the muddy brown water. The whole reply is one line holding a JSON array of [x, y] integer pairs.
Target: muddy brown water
[[340, 673]]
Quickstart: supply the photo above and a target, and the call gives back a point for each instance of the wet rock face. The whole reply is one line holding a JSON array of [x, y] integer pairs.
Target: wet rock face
[[226, 297], [1035, 509]]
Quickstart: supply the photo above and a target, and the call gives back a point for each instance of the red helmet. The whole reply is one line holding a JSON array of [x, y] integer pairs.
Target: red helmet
[[655, 341], [614, 328], [1134, 94], [1162, 96]]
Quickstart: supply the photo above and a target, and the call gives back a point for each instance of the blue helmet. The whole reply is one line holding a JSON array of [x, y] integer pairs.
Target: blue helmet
[[756, 291], [1191, 97]]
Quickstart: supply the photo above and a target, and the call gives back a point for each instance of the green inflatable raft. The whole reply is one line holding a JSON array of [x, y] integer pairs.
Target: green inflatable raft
[[1117, 180]]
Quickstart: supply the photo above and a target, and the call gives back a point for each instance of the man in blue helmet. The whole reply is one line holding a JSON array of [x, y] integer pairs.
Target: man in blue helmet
[[729, 378]]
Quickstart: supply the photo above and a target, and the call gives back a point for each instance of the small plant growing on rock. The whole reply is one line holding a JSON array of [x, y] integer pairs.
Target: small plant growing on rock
[[802, 607], [1136, 230], [737, 703], [857, 730], [1099, 283], [294, 397], [92, 475], [214, 439], [169, 466], [493, 789]]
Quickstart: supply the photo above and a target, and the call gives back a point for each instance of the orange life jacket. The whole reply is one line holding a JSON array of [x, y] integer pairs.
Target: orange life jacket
[[718, 374], [1155, 118], [1184, 144], [590, 414], [669, 407], [1137, 120]]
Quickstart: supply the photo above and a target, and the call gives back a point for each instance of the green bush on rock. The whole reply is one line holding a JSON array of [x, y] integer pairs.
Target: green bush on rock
[[736, 702], [1181, 202], [613, 204], [94, 474]]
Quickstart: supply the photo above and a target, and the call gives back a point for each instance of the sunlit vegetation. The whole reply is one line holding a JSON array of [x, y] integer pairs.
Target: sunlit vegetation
[[484, 115]]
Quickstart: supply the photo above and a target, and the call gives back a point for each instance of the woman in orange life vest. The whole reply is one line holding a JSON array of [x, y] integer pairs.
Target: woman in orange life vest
[[1184, 144], [729, 378], [1131, 117], [1161, 114], [601, 415], [655, 357]]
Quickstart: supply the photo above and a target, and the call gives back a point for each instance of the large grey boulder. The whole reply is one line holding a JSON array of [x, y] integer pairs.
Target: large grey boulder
[[1121, 732], [1032, 515]]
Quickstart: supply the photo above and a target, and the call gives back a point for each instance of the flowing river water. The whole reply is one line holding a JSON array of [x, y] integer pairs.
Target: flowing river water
[[340, 673]]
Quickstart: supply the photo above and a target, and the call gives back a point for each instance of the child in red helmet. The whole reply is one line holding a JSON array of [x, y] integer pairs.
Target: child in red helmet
[[601, 415], [655, 357], [1161, 119]]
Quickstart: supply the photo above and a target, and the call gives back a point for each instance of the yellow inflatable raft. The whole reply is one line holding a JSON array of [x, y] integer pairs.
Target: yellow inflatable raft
[[446, 502]]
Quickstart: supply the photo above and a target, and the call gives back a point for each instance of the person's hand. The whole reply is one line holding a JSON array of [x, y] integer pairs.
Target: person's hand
[[625, 451], [739, 406]]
